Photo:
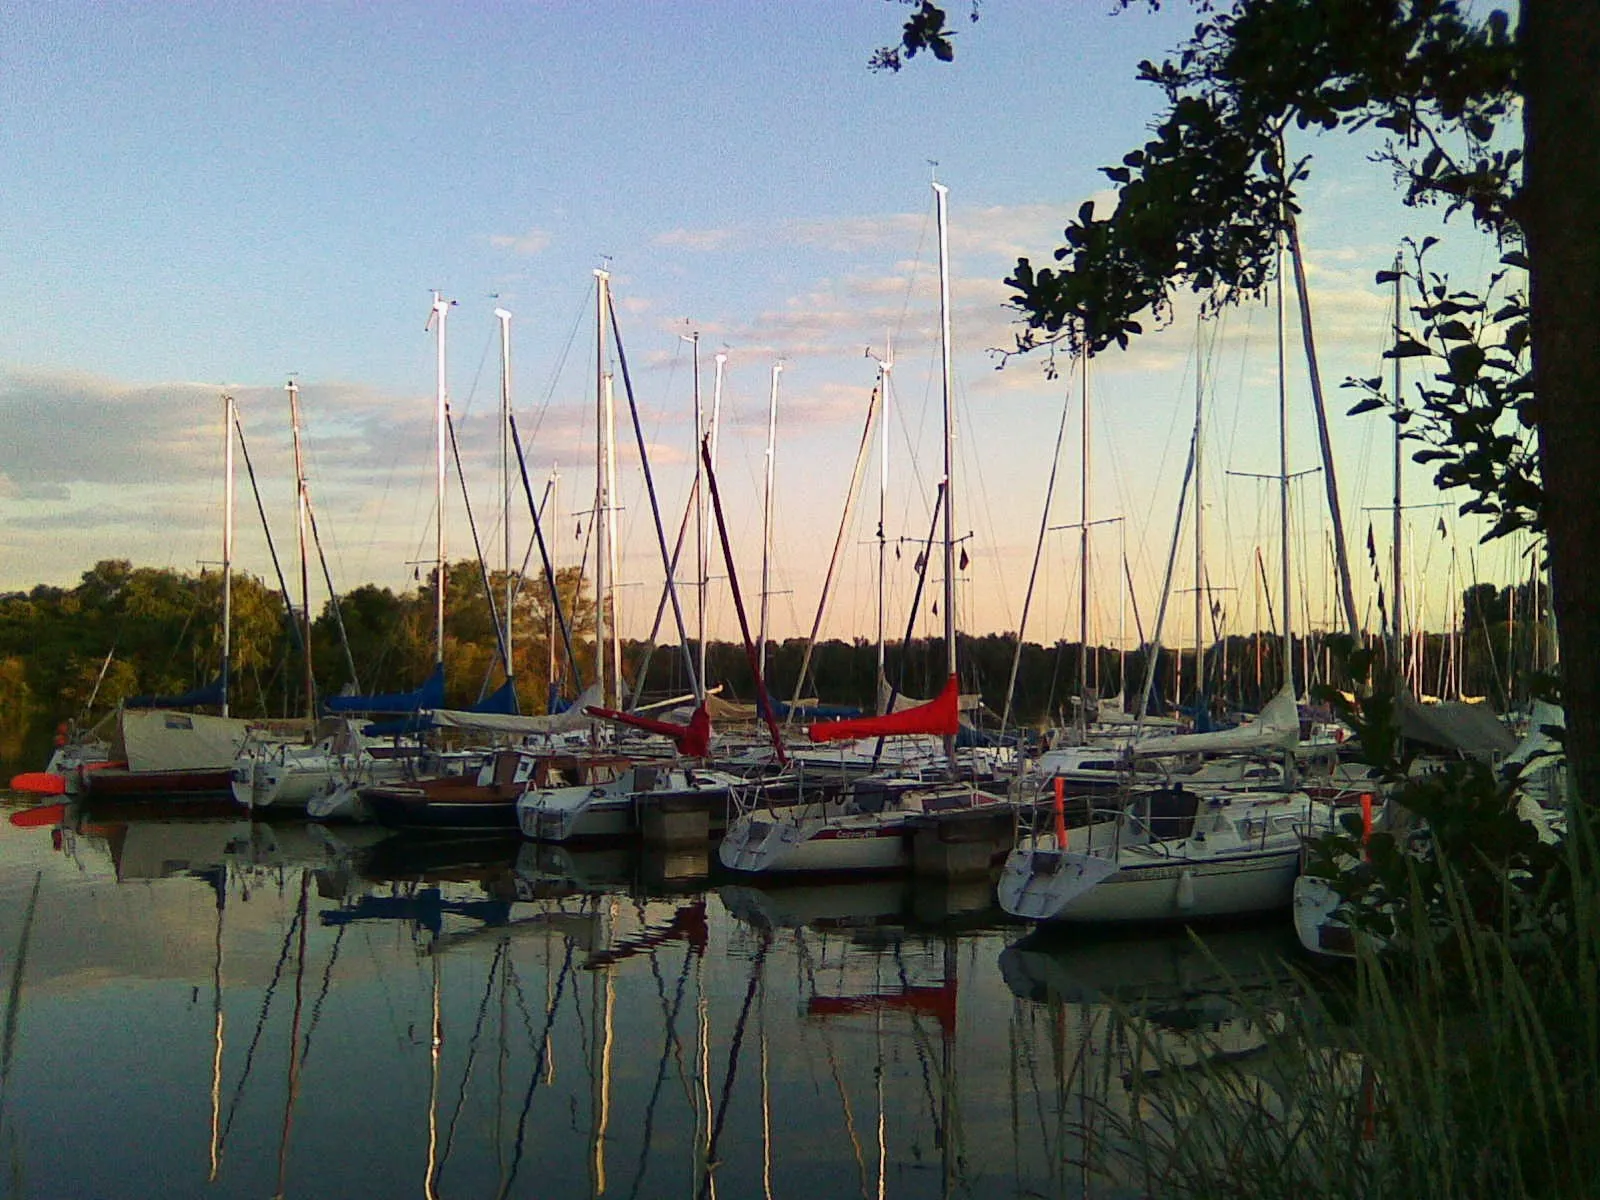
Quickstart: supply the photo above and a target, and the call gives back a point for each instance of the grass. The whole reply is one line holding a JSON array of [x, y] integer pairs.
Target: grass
[[1462, 1062]]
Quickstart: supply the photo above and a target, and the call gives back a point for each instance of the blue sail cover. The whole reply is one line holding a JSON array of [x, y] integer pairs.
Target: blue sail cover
[[429, 695], [502, 700], [816, 712], [211, 695]]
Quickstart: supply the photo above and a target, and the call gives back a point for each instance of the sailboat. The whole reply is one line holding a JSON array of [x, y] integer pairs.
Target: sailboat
[[163, 746], [866, 824], [1176, 853]]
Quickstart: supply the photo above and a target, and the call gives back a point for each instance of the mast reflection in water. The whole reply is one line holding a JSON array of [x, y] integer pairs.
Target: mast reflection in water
[[210, 1006]]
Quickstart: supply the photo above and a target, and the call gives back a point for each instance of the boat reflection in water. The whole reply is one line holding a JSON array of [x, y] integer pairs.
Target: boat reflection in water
[[240, 1008]]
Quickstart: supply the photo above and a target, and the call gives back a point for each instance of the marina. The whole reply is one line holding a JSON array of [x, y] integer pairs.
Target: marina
[[243, 1008]]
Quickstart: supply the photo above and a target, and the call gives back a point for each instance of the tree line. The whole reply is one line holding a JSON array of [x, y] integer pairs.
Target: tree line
[[124, 631]]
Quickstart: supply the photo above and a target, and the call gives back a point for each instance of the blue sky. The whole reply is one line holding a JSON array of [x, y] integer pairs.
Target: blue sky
[[209, 197]]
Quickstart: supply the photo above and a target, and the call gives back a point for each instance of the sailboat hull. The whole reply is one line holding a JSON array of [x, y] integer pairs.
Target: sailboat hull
[[1223, 886], [757, 843]]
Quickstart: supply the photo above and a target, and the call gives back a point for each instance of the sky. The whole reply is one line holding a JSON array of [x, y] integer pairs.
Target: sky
[[204, 199]]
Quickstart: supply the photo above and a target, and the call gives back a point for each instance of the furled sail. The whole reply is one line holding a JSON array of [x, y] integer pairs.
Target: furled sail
[[1277, 727], [692, 740], [209, 696], [565, 721], [429, 695], [938, 716]]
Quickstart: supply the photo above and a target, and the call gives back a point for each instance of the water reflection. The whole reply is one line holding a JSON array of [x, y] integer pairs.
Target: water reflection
[[241, 1007]]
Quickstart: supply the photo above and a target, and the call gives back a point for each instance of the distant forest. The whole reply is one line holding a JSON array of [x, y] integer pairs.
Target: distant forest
[[76, 653]]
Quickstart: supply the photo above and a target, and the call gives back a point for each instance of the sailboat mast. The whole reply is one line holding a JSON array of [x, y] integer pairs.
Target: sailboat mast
[[504, 317], [554, 501], [1397, 534], [884, 366], [1083, 552], [612, 555], [602, 500], [302, 513], [228, 420], [441, 310], [941, 194], [766, 520], [1283, 474], [1199, 524], [699, 527], [705, 500]]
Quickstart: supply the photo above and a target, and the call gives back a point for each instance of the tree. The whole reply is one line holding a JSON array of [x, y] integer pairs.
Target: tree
[[1476, 117]]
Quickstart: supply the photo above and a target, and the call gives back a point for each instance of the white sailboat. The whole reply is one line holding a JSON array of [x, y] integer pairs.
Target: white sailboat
[[866, 824], [161, 746], [1176, 853]]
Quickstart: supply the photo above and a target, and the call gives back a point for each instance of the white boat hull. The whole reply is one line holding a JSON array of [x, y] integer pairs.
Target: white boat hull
[[1161, 891], [605, 816], [1314, 904], [760, 843]]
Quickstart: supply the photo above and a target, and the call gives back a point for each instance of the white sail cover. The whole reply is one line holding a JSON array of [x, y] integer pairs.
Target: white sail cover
[[1277, 727], [966, 702], [567, 721], [161, 739]]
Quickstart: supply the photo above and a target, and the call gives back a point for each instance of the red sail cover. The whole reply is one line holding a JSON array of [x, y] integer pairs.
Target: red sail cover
[[938, 715], [692, 740]]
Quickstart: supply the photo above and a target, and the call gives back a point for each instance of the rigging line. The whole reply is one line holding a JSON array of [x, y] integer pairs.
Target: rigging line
[[537, 1072], [655, 504], [522, 1001], [544, 558], [327, 981], [849, 1112], [669, 1039], [477, 548], [333, 597], [661, 604], [733, 1064], [896, 688], [283, 586], [838, 545], [14, 994], [763, 699], [919, 1042], [630, 512], [472, 1055], [1033, 574], [293, 1091], [261, 1021], [477, 375], [584, 309], [916, 270], [971, 464]]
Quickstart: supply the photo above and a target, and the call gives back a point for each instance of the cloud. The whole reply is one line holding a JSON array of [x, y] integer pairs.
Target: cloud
[[848, 235], [1003, 230], [63, 428], [532, 242], [697, 239]]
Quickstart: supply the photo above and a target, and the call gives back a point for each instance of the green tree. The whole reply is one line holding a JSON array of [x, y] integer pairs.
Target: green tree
[[1475, 116]]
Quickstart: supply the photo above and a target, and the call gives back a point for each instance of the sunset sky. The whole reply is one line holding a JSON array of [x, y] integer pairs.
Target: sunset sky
[[210, 198]]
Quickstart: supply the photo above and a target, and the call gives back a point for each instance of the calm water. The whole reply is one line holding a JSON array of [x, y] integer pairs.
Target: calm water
[[205, 1007]]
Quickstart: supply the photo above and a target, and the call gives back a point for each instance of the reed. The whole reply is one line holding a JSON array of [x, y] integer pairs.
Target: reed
[[1459, 1061]]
